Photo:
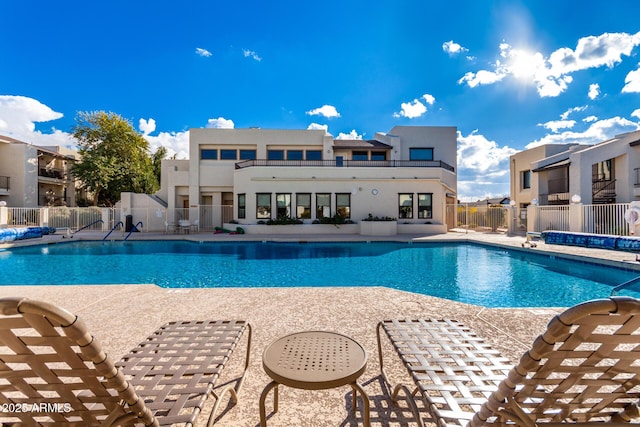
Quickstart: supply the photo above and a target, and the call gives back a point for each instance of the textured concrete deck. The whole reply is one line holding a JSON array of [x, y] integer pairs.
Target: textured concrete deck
[[122, 315]]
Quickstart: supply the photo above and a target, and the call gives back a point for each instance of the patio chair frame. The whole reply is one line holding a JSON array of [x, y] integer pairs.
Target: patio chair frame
[[582, 371], [53, 371]]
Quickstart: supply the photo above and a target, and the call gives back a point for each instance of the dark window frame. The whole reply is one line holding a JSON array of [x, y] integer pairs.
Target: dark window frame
[[287, 206], [319, 213], [340, 206], [414, 153], [267, 213], [271, 153], [306, 208], [242, 206], [425, 208], [208, 151], [405, 211], [243, 154]]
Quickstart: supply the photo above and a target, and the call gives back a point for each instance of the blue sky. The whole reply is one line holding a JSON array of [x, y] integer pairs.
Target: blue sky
[[509, 75]]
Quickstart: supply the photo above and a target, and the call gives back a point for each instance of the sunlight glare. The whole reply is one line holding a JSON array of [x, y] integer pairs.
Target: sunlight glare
[[524, 64]]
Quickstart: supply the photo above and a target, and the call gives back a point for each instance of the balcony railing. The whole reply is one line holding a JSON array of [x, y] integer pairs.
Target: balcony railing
[[347, 163], [4, 182], [52, 173]]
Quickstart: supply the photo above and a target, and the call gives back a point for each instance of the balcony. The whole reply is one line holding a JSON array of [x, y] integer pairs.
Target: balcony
[[347, 164], [52, 173]]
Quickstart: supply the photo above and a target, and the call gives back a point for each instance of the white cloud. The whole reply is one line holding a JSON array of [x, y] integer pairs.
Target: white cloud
[[147, 126], [554, 125], [203, 52], [351, 135], [594, 91], [316, 126], [566, 114], [636, 113], [483, 166], [632, 81], [482, 77], [453, 48], [220, 123], [251, 54], [415, 108], [590, 119], [477, 153], [18, 118], [176, 143], [552, 74], [598, 131], [328, 111]]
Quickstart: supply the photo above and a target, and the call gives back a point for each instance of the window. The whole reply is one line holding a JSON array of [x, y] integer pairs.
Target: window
[[425, 206], [526, 179], [294, 155], [275, 155], [263, 206], [314, 155], [421, 154], [380, 155], [323, 205], [303, 206], [405, 206], [359, 155], [208, 154], [228, 154], [247, 154], [242, 206], [602, 171], [343, 205], [283, 205]]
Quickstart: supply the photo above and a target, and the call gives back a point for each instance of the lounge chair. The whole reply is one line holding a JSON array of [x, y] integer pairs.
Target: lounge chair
[[53, 372], [583, 370]]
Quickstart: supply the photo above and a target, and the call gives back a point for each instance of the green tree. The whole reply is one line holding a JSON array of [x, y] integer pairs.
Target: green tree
[[114, 157], [156, 161]]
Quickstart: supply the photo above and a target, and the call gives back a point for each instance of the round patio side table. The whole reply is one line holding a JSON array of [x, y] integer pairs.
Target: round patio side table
[[314, 360]]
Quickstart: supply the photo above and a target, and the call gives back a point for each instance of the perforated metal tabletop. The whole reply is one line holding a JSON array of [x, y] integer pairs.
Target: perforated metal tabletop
[[314, 360]]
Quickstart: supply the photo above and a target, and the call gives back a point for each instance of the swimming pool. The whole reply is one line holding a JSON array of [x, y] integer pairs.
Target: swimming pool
[[465, 272]]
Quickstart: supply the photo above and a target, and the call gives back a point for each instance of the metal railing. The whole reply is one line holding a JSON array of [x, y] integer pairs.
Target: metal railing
[[605, 219], [552, 218], [488, 219], [347, 163], [594, 218]]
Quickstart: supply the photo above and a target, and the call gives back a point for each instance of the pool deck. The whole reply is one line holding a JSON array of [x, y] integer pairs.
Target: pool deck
[[122, 315]]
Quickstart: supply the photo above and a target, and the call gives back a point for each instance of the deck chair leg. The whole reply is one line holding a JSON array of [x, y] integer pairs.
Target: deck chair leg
[[394, 391], [232, 390]]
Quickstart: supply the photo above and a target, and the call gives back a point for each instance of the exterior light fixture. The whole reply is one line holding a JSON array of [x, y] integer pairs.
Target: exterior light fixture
[[374, 191], [576, 199], [534, 202]]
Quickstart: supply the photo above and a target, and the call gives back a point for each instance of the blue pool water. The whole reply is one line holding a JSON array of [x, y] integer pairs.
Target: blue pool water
[[468, 273]]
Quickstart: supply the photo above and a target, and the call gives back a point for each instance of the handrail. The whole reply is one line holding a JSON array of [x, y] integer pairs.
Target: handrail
[[118, 224], [625, 285], [88, 225], [134, 228]]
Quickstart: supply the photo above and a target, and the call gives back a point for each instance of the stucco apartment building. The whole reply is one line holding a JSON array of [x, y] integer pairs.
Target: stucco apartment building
[[33, 176], [554, 174], [261, 174]]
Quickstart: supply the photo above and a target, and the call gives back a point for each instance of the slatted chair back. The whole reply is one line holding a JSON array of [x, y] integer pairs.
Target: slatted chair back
[[53, 372], [585, 368]]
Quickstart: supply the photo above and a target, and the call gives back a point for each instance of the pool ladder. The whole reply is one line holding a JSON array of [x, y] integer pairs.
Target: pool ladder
[[118, 224], [134, 228]]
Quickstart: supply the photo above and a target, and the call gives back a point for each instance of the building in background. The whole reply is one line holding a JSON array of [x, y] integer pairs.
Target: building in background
[[253, 175], [33, 176]]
